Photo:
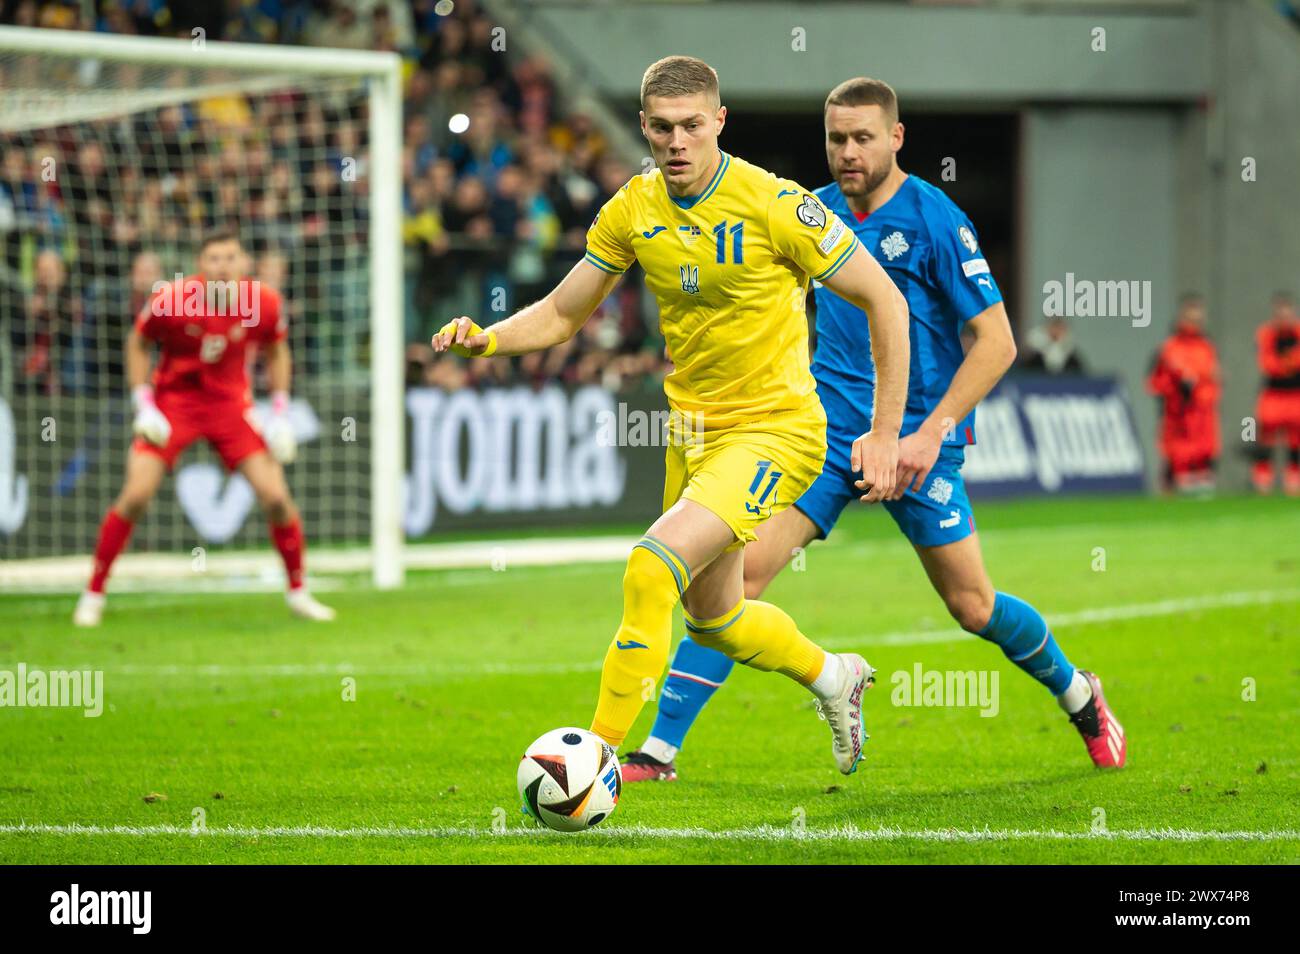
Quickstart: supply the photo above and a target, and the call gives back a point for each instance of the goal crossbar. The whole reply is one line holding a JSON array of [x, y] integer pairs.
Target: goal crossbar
[[161, 51]]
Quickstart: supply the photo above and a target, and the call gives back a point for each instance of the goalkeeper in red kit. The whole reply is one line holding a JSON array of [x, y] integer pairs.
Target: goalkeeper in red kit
[[207, 326]]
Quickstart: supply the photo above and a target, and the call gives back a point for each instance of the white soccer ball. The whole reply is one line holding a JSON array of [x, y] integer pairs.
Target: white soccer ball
[[570, 779]]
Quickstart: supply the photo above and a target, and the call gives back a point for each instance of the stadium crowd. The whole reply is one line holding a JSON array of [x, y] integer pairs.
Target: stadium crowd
[[494, 213]]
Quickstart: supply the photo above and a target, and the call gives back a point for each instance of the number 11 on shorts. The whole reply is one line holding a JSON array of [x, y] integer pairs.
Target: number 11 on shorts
[[772, 478]]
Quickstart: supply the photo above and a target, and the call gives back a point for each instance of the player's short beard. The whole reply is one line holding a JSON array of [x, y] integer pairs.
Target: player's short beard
[[871, 181]]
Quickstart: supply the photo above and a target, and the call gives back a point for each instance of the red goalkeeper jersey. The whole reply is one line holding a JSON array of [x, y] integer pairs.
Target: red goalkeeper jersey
[[207, 334]]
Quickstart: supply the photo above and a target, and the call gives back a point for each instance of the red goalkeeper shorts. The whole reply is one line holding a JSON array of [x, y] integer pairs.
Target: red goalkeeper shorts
[[227, 426]]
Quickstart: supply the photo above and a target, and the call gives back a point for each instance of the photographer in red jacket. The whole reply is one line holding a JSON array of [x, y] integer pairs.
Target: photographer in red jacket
[[1277, 413], [1185, 375]]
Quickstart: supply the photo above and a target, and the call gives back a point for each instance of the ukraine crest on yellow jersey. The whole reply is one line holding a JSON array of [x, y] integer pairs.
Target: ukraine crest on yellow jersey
[[730, 269]]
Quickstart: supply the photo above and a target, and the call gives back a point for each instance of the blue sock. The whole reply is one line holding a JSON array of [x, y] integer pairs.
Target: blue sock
[[1024, 637], [694, 676]]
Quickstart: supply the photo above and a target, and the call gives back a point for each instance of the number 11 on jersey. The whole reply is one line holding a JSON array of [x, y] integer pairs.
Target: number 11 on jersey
[[737, 242]]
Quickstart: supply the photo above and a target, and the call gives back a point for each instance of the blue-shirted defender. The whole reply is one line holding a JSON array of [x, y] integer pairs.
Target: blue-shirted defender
[[931, 251]]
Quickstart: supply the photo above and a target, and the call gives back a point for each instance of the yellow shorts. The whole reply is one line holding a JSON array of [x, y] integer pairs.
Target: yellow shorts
[[748, 472]]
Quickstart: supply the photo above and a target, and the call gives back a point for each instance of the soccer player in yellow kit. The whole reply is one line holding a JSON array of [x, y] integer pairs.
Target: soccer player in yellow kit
[[728, 250]]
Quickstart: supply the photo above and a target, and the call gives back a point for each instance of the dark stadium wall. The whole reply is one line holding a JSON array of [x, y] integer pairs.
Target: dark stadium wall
[[1101, 206]]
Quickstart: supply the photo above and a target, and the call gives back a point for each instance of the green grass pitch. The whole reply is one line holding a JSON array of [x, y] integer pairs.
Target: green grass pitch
[[234, 714]]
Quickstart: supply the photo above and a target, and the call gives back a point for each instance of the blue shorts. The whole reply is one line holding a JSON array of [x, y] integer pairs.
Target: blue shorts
[[939, 514]]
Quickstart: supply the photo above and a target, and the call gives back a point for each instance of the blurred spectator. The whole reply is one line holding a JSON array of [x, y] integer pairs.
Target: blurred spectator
[[42, 342], [579, 137], [110, 309], [1052, 349], [21, 204], [530, 96], [339, 23], [482, 151], [1185, 377], [90, 201], [506, 209], [1277, 414]]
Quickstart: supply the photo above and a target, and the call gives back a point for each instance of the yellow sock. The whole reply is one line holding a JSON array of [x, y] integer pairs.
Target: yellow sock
[[652, 585], [761, 636]]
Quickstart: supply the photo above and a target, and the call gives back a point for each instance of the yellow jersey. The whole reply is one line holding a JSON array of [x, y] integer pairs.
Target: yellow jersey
[[730, 269]]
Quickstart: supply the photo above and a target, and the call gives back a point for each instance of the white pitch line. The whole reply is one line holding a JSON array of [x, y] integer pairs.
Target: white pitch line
[[1090, 617], [446, 670], [758, 833]]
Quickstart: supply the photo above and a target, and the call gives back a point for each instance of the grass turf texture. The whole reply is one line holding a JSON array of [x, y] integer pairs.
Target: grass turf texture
[[459, 671]]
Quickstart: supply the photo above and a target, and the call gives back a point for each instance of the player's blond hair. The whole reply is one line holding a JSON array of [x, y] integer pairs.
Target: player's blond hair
[[680, 76], [864, 91]]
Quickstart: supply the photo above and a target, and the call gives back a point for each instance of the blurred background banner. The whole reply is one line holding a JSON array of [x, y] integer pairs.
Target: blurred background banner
[[503, 457], [1047, 435], [495, 458], [519, 457]]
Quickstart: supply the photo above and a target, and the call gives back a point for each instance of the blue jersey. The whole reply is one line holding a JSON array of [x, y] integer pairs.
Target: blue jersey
[[929, 248]]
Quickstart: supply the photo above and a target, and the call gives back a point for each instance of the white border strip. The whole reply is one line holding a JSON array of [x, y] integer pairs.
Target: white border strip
[[157, 572]]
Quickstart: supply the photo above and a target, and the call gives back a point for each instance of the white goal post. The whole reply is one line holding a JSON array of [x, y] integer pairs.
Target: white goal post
[[177, 71]]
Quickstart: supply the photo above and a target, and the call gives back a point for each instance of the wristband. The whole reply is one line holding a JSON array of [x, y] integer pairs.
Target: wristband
[[491, 348], [142, 397]]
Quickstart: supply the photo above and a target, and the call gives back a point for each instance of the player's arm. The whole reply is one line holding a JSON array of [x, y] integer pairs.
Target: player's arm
[[149, 422], [554, 319], [864, 283], [559, 315], [278, 430], [279, 366], [139, 359], [991, 353], [270, 335]]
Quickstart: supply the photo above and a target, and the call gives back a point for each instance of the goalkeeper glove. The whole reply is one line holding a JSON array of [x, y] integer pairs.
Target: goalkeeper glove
[[149, 423], [477, 343], [278, 434]]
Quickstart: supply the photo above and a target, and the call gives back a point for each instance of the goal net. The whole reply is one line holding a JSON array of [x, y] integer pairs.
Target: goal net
[[116, 156]]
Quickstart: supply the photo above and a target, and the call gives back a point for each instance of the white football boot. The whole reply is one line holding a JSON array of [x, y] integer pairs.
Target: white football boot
[[844, 712], [90, 609], [301, 603]]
